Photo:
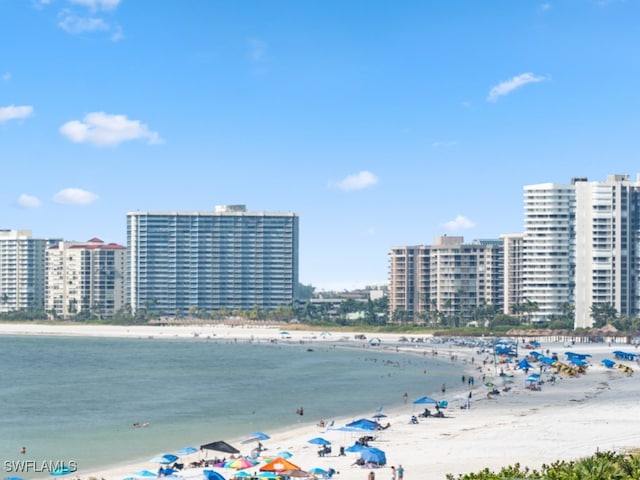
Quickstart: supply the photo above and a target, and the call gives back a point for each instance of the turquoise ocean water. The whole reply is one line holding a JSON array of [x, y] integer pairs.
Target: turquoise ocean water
[[75, 399]]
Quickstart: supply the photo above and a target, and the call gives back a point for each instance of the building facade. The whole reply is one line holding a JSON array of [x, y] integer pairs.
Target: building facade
[[548, 249], [22, 270], [447, 281], [607, 227], [224, 259], [512, 245], [85, 277]]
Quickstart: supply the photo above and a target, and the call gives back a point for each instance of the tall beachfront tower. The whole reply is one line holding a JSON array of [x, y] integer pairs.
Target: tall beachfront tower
[[224, 259], [512, 251], [607, 226], [548, 248], [22, 270], [85, 277]]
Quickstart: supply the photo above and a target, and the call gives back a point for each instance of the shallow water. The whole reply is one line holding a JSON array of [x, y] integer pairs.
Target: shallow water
[[75, 399]]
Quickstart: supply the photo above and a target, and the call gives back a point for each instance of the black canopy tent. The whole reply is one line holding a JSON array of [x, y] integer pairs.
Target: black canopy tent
[[220, 446]]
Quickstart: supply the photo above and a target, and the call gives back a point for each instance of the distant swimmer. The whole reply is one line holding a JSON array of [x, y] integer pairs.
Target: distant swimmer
[[23, 450], [140, 425]]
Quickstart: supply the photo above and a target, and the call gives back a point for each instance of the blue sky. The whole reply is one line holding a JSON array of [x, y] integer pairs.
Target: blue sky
[[381, 123]]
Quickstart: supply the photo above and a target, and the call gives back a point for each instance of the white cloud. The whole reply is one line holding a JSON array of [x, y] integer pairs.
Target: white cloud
[[102, 129], [506, 87], [6, 77], [358, 181], [459, 223], [74, 196], [97, 4], [72, 24], [28, 201], [13, 112]]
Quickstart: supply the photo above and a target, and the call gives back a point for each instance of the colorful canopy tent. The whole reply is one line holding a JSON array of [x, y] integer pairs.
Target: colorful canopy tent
[[279, 464]]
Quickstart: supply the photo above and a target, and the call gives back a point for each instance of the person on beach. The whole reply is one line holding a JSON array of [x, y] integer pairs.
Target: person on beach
[[393, 473], [372, 475], [405, 397], [443, 388], [400, 472]]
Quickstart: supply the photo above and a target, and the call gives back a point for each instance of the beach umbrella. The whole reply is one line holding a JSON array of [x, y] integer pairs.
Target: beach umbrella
[[374, 455], [165, 459], [13, 478], [319, 441], [145, 473], [284, 454], [255, 437], [356, 447], [424, 400], [318, 471], [243, 475], [187, 451], [62, 470], [212, 475], [364, 424], [239, 463], [379, 415], [269, 475]]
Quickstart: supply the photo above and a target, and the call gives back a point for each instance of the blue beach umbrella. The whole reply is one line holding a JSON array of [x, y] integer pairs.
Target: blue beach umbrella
[[425, 400], [373, 454], [145, 473], [58, 472], [284, 454], [212, 475], [243, 475], [356, 447], [165, 459], [318, 471], [256, 437], [319, 441]]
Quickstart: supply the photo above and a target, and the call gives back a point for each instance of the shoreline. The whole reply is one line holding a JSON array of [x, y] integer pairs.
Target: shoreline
[[571, 419]]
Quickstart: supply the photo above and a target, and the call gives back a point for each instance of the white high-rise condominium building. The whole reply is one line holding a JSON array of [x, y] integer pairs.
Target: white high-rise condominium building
[[85, 277], [22, 270], [512, 250], [607, 229], [548, 249], [224, 259]]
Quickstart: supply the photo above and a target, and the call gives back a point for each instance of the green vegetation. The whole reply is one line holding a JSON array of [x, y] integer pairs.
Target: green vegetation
[[600, 466]]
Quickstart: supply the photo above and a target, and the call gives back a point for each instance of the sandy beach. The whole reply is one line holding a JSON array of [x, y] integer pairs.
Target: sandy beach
[[565, 420]]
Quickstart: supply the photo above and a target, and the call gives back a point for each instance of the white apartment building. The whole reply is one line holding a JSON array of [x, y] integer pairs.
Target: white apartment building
[[22, 270], [512, 245], [548, 248], [607, 231], [85, 277]]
